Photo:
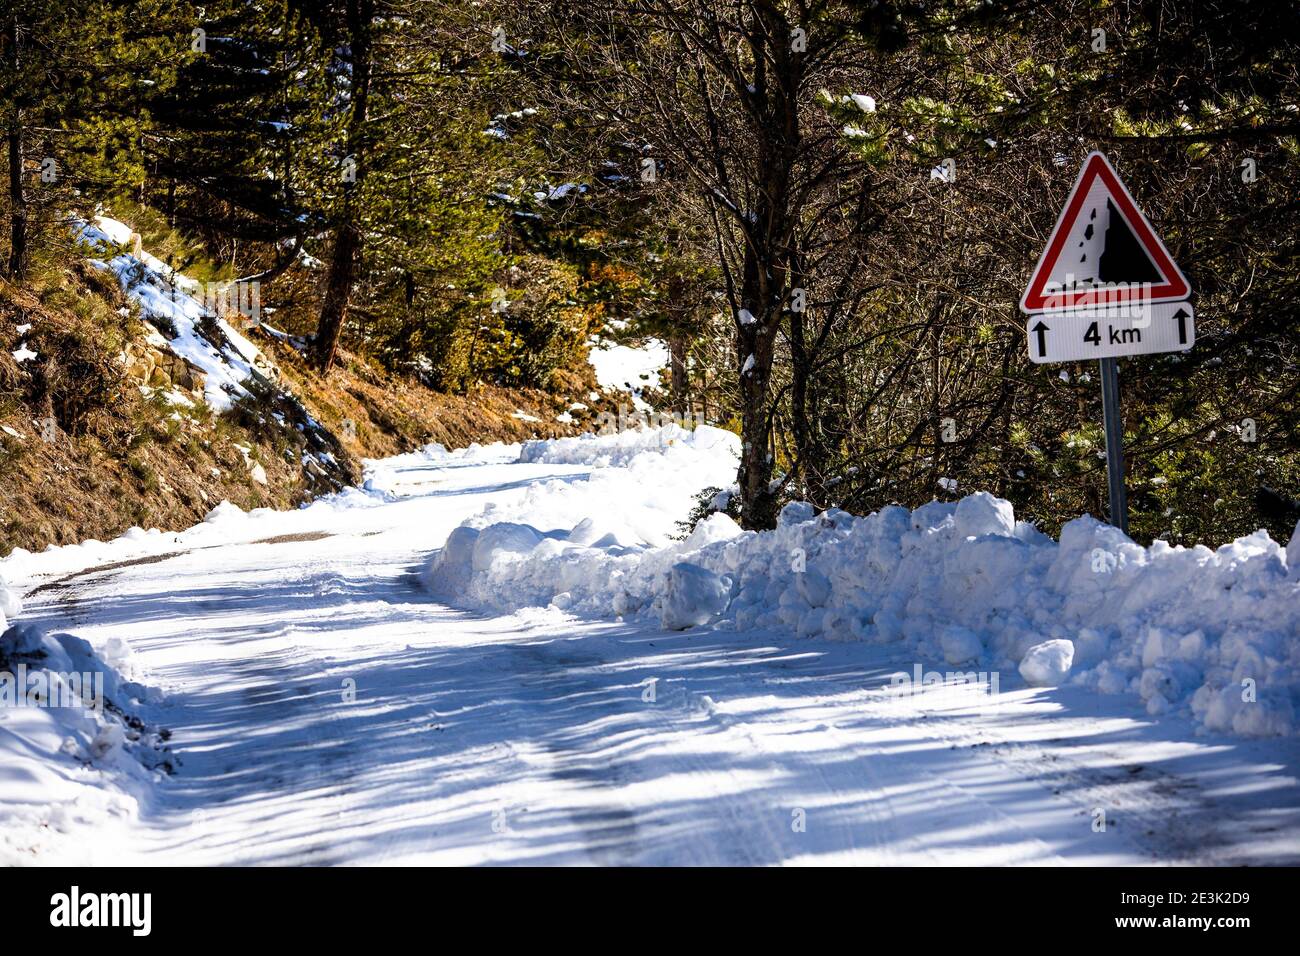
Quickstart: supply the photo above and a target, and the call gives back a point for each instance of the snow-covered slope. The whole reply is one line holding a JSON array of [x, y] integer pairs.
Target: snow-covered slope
[[182, 320]]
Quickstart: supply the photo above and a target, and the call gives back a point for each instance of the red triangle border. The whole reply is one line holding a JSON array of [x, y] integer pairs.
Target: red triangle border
[[1175, 286]]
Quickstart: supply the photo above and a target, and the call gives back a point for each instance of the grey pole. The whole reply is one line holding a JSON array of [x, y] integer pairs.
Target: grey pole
[[1114, 443]]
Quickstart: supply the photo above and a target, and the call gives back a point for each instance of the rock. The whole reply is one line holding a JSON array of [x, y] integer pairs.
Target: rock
[[181, 372]]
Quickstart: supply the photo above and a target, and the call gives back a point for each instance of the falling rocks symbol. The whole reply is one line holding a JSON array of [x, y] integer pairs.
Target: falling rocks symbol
[[1123, 259]]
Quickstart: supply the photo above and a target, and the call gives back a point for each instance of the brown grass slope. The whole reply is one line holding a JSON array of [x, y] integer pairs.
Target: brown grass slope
[[119, 453]]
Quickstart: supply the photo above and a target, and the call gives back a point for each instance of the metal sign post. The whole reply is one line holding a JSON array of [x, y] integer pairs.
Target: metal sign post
[[1114, 443], [1104, 288]]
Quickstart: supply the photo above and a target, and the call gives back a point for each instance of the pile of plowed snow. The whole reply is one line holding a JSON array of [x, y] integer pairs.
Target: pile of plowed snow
[[1212, 633], [72, 747], [641, 484]]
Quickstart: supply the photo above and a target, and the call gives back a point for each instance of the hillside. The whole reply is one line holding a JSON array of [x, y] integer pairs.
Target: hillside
[[126, 402]]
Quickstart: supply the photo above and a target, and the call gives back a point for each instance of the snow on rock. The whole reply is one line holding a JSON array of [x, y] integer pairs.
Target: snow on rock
[[166, 299], [1048, 663], [1213, 633]]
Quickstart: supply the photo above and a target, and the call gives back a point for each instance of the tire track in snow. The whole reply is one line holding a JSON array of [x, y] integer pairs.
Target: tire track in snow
[[277, 681], [608, 826], [1149, 807], [64, 581]]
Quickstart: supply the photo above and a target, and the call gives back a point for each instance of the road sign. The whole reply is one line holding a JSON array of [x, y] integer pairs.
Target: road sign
[[1102, 251], [1106, 287], [1111, 332]]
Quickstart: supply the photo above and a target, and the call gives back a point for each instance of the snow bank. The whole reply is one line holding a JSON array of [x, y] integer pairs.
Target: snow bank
[[641, 483], [1212, 633], [72, 749], [227, 523], [621, 449]]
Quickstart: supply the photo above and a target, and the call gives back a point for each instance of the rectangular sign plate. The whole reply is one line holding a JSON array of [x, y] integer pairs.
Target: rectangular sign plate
[[1111, 332]]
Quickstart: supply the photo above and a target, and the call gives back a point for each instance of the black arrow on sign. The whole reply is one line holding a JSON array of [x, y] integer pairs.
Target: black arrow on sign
[[1182, 316], [1042, 331]]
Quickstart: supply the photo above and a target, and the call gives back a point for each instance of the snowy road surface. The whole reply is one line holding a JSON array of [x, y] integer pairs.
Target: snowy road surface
[[325, 709]]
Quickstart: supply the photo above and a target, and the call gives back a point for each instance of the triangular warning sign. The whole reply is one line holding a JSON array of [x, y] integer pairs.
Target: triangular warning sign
[[1102, 251]]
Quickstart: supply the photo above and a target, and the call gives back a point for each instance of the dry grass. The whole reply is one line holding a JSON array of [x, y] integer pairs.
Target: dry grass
[[391, 414]]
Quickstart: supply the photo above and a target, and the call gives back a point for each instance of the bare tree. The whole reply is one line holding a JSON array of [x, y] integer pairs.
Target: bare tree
[[722, 110]]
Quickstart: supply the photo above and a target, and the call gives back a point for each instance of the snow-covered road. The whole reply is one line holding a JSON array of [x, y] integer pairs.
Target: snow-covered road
[[326, 709]]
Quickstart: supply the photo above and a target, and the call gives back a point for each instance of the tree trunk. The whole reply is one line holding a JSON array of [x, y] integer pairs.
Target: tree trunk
[[768, 258], [681, 400], [804, 464], [338, 289], [348, 236], [17, 201], [17, 205], [755, 339], [810, 463], [758, 500]]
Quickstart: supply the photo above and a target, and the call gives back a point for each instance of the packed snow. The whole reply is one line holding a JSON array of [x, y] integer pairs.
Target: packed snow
[[509, 654]]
